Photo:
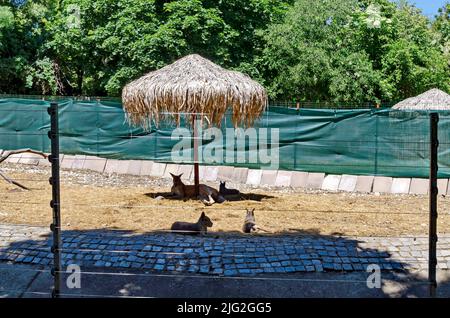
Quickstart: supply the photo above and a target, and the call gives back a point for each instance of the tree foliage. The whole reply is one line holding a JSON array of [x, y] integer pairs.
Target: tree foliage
[[341, 50], [349, 50]]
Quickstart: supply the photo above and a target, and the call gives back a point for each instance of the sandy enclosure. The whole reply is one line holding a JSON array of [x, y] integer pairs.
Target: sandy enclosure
[[96, 201]]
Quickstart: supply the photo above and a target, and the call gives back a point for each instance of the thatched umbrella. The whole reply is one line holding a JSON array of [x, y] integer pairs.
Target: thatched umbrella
[[193, 86], [434, 99]]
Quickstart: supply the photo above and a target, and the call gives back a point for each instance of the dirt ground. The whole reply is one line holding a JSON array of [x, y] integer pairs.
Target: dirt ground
[[96, 201]]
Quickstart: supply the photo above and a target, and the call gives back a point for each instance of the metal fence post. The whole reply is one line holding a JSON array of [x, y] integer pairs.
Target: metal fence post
[[53, 134], [432, 259]]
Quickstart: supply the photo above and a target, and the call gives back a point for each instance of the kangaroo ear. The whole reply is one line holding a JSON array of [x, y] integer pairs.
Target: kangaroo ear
[[203, 214], [180, 175], [173, 176], [253, 211]]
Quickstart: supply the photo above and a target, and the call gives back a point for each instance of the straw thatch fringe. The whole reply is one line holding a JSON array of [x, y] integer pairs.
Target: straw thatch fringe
[[433, 99], [193, 84]]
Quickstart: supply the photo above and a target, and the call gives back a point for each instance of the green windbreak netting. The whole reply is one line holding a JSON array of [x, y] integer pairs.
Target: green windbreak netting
[[361, 142]]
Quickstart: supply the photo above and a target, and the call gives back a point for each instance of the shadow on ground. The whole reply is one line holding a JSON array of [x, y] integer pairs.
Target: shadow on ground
[[125, 250], [238, 197]]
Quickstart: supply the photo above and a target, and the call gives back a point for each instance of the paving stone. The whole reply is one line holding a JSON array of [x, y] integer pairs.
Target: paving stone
[[347, 183], [94, 163], [364, 184], [419, 186], [382, 184], [283, 178], [207, 255], [146, 167], [331, 182], [254, 177], [268, 177], [400, 185], [315, 180], [134, 167], [158, 169]]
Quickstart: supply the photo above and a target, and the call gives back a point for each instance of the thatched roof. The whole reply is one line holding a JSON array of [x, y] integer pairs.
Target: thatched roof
[[193, 85], [434, 99]]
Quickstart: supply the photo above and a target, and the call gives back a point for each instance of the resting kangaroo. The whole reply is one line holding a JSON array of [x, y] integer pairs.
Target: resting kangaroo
[[207, 194], [193, 228], [224, 191], [250, 222]]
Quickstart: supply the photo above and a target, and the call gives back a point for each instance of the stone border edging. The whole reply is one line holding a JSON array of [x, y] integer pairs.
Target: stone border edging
[[252, 177]]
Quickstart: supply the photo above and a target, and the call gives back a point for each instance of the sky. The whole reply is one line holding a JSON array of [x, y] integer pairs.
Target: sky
[[429, 7]]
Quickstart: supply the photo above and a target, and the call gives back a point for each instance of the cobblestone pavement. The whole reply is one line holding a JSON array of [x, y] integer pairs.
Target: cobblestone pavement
[[228, 256]]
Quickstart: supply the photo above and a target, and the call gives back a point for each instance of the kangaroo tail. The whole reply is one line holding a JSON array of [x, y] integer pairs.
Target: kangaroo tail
[[261, 229]]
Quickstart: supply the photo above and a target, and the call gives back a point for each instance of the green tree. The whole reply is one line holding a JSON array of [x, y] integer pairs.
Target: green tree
[[350, 50]]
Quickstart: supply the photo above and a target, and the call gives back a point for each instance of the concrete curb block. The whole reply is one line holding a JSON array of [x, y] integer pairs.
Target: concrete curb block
[[30, 159], [419, 186], [382, 184], [283, 178], [186, 170], [253, 177], [95, 163], [14, 158], [111, 166], [400, 185], [146, 167], [67, 162], [299, 179], [442, 186], [315, 180], [348, 183], [158, 169], [364, 184], [240, 175], [225, 173], [268, 177], [134, 167], [170, 168], [331, 182], [210, 173]]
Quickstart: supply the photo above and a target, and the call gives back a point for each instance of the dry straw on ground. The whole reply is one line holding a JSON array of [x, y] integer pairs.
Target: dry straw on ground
[[193, 85], [97, 201], [433, 99]]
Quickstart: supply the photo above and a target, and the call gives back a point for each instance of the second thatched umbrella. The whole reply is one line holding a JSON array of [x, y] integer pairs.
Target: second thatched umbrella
[[434, 99], [193, 86]]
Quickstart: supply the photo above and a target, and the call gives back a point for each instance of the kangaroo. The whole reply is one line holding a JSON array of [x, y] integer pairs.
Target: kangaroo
[[200, 227], [224, 191], [207, 195], [250, 222]]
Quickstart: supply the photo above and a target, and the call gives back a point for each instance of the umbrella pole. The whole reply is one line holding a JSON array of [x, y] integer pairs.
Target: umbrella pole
[[196, 169]]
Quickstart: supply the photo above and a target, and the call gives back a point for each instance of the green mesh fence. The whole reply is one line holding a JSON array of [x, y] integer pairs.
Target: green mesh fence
[[360, 142]]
